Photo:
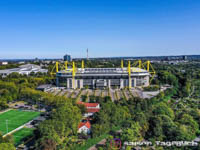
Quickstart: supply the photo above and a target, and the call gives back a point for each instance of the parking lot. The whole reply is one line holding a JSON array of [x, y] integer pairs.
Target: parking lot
[[115, 94]]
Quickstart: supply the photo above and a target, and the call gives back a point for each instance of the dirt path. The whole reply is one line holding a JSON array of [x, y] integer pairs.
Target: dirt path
[[102, 142]]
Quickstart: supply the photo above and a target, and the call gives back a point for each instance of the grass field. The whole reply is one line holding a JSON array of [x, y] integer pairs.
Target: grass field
[[20, 135], [13, 119]]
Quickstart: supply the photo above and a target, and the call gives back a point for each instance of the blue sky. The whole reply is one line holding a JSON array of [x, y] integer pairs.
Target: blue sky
[[52, 28]]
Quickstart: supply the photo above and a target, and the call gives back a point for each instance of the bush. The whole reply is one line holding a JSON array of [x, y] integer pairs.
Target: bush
[[151, 88]]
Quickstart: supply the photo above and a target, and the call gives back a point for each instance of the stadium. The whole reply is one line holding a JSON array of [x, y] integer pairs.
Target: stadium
[[101, 78]]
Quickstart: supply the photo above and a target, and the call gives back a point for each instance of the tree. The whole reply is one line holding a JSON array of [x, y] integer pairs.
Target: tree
[[133, 133], [7, 146], [169, 128], [141, 118], [189, 126], [14, 75], [163, 109], [47, 129], [161, 127], [187, 88], [46, 143], [8, 139], [98, 130], [167, 78], [62, 127], [68, 114], [6, 143], [82, 108], [102, 118], [155, 131], [84, 98]]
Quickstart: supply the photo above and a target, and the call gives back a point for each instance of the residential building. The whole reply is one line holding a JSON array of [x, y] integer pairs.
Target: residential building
[[84, 127], [91, 108]]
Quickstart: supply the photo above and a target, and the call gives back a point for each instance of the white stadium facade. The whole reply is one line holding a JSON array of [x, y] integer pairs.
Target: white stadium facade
[[99, 78]]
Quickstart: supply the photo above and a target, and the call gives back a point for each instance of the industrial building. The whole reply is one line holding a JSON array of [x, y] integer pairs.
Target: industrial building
[[3, 63], [23, 69], [100, 78]]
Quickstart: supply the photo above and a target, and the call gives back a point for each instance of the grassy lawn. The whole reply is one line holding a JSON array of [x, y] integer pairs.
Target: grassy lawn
[[14, 119], [20, 135]]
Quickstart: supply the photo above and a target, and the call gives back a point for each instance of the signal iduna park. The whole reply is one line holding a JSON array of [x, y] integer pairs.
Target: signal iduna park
[[100, 78]]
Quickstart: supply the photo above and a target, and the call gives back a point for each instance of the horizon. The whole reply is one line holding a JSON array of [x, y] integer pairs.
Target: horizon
[[98, 57], [49, 29]]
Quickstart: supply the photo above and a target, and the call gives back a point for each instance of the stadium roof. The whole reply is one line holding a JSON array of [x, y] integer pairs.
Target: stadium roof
[[104, 70], [24, 68]]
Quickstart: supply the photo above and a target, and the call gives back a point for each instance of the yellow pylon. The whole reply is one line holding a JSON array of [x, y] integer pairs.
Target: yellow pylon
[[139, 64], [129, 68], [150, 69], [66, 63], [82, 64], [122, 64], [148, 65], [73, 74], [129, 74], [56, 67]]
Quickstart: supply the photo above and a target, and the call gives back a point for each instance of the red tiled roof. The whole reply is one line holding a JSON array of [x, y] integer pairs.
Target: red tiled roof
[[87, 124], [89, 104], [79, 102], [93, 110]]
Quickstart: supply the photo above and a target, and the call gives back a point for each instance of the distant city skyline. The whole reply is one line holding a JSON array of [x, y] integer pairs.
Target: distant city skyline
[[108, 28]]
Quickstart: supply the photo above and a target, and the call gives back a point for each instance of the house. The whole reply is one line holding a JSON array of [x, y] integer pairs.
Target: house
[[91, 108], [91, 111], [90, 105], [84, 127]]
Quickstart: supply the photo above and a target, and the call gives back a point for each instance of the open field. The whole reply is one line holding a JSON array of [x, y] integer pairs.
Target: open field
[[13, 119], [20, 135]]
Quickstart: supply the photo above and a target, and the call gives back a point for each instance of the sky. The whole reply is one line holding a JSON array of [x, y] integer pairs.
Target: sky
[[108, 28]]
